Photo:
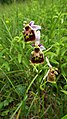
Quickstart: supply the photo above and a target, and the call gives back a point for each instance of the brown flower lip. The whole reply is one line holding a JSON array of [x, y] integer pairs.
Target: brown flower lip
[[37, 50], [29, 34], [37, 60], [51, 76], [37, 56]]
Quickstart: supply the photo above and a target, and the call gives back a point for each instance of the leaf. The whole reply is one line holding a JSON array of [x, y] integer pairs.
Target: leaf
[[2, 52], [6, 65], [64, 117], [19, 57], [20, 89], [65, 87], [23, 44], [21, 104], [64, 65], [64, 73], [25, 63], [10, 100], [6, 103], [55, 62], [64, 91], [5, 113], [58, 50], [1, 105], [9, 34], [18, 114], [51, 53], [1, 47]]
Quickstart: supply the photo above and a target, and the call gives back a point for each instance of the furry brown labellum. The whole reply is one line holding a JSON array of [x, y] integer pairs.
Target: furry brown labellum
[[37, 55], [51, 75], [29, 34]]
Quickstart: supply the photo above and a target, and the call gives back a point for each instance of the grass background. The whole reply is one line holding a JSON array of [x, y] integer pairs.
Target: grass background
[[23, 93]]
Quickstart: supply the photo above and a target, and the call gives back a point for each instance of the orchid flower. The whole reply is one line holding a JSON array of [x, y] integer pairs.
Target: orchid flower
[[37, 55], [51, 73], [30, 31], [29, 34]]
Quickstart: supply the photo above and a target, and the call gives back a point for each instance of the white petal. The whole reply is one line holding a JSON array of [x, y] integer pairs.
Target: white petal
[[47, 60], [37, 35], [31, 23], [42, 47], [36, 27]]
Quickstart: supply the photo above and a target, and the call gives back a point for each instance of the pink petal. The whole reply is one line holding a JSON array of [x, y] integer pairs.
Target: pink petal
[[36, 27], [38, 36], [31, 23], [42, 48]]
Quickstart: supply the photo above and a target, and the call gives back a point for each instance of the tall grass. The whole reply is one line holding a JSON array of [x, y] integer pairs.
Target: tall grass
[[23, 92]]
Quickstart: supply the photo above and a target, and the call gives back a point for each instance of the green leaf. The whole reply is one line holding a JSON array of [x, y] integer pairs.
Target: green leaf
[[2, 52], [1, 105], [6, 103], [1, 47], [64, 51], [64, 91], [64, 65], [5, 113], [6, 65], [64, 117], [20, 89], [23, 44], [65, 87], [19, 57], [54, 61], [64, 73], [51, 53]]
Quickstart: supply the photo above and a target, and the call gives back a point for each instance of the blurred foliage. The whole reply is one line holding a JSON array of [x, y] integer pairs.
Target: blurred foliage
[[10, 1], [6, 1], [23, 92]]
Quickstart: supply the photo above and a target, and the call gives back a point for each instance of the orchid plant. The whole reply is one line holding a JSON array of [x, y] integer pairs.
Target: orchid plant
[[32, 33]]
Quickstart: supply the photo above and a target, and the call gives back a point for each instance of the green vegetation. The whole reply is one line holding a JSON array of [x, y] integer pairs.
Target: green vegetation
[[10, 1], [23, 92]]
